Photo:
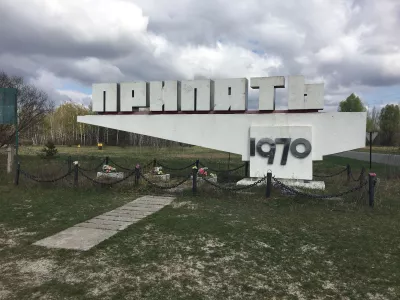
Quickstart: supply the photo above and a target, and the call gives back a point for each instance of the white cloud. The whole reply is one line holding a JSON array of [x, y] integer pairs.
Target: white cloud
[[351, 45]]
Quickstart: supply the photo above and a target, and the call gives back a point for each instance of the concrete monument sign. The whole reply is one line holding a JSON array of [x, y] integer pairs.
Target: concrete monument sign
[[214, 114]]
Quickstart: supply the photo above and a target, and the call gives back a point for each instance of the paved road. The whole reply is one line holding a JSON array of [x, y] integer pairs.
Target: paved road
[[388, 159]]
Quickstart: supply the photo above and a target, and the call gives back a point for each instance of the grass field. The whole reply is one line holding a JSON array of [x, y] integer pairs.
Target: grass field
[[381, 149], [212, 245]]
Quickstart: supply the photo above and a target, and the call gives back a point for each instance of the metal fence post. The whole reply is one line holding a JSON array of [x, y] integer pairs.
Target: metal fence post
[[137, 174], [154, 163], [362, 176], [197, 164], [17, 171], [69, 163], [372, 180], [246, 169], [194, 180], [76, 172], [269, 181], [107, 159]]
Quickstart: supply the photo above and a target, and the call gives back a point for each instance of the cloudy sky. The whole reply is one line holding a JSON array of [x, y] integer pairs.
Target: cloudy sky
[[64, 46]]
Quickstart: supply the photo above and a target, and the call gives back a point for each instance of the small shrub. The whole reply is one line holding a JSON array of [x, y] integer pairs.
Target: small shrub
[[49, 149]]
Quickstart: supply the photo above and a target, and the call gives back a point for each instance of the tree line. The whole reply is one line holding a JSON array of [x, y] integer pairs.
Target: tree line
[[40, 121], [385, 121]]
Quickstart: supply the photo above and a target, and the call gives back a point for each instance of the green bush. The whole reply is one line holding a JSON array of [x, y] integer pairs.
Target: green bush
[[49, 149]]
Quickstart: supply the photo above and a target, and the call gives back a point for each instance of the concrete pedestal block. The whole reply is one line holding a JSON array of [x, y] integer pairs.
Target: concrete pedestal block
[[162, 177], [116, 175], [200, 180], [306, 184]]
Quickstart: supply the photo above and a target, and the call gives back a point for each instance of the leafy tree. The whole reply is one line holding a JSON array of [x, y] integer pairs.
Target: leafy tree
[[373, 120], [389, 123], [352, 103], [32, 106]]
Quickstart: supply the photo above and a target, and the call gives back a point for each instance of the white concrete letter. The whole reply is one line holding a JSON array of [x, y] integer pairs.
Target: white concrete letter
[[315, 96], [230, 94], [196, 95], [296, 92], [104, 97], [133, 95], [267, 85], [165, 95]]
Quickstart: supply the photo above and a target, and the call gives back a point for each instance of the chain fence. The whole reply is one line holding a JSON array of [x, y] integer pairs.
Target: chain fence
[[95, 168], [37, 179], [119, 166], [222, 171], [361, 176], [187, 178], [331, 175], [130, 174], [175, 169], [139, 174], [233, 189], [317, 196]]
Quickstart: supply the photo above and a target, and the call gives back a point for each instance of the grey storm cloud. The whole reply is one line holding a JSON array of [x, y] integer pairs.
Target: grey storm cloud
[[347, 44]]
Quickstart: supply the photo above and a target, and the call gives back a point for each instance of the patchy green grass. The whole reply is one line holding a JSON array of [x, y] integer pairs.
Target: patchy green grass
[[215, 245], [381, 149]]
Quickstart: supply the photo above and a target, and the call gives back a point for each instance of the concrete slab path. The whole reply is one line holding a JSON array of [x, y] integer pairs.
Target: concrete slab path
[[88, 234]]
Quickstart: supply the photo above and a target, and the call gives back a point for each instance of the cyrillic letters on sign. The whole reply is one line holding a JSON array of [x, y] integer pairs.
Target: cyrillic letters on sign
[[204, 95]]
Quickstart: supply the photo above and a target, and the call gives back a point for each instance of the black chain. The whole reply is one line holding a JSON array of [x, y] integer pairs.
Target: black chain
[[107, 183], [359, 177], [35, 178], [119, 166], [332, 175], [233, 189], [163, 186], [316, 196], [93, 169], [175, 169], [221, 171]]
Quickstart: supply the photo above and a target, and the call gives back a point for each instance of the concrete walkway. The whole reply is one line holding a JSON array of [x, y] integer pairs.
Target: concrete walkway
[[88, 234], [388, 159]]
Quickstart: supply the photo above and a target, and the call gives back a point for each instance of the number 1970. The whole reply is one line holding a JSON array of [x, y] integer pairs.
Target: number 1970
[[287, 144]]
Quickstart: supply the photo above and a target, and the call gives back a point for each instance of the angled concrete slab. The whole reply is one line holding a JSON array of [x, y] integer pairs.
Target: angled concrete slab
[[103, 226], [76, 238], [85, 235], [117, 218]]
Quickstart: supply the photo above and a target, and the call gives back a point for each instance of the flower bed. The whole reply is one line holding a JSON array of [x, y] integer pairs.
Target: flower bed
[[204, 173], [108, 171], [159, 175]]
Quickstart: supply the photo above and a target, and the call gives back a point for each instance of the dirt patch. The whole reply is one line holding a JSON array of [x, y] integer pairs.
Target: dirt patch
[[4, 294], [38, 271], [186, 204], [11, 238]]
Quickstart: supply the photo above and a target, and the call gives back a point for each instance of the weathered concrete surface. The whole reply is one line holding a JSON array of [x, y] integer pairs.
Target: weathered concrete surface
[[76, 238], [88, 234], [388, 159]]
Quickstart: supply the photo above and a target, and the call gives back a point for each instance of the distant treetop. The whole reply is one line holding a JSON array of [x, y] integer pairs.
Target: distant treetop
[[352, 103]]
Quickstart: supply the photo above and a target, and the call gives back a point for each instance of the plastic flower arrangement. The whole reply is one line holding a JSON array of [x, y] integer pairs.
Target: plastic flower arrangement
[[108, 169], [157, 171], [203, 172]]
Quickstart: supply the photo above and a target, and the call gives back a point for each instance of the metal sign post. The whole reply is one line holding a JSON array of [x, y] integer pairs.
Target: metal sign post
[[371, 135], [8, 112]]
